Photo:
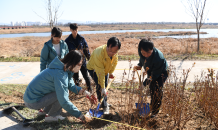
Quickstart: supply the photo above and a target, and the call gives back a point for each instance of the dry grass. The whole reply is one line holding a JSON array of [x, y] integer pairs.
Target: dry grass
[[31, 46], [182, 107]]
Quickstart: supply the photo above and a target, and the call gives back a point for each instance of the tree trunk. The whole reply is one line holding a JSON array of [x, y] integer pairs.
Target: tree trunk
[[198, 49]]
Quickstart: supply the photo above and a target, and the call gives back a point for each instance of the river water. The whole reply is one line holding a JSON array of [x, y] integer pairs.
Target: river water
[[210, 33]]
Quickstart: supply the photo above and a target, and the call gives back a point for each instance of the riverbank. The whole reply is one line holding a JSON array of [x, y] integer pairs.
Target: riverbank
[[109, 27], [171, 48]]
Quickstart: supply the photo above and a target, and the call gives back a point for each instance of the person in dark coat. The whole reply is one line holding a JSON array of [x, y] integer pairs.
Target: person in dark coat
[[157, 73], [77, 42]]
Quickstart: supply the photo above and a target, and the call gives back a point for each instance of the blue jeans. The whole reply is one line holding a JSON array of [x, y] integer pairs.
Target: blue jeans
[[98, 87], [50, 104]]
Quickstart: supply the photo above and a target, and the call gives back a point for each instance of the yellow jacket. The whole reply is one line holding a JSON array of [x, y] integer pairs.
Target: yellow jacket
[[102, 64]]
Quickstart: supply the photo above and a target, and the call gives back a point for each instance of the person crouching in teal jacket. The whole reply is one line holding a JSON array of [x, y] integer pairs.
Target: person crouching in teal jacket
[[54, 47], [49, 89]]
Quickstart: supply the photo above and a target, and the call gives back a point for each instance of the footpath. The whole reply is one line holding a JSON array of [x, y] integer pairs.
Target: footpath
[[24, 72]]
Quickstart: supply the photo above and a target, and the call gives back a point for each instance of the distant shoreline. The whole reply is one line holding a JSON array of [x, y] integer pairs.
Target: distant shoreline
[[108, 27]]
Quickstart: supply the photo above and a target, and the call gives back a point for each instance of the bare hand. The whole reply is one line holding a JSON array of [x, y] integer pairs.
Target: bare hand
[[87, 119]]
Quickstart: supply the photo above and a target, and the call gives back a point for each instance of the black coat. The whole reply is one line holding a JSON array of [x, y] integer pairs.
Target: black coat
[[78, 44]]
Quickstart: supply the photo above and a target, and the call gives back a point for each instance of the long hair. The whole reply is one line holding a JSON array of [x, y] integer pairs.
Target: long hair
[[72, 59]]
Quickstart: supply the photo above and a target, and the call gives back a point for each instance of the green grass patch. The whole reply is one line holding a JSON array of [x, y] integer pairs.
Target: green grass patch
[[128, 57], [124, 57], [9, 89], [20, 59], [191, 57]]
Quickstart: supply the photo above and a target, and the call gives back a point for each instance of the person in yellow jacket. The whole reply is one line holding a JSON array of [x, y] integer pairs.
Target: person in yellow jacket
[[102, 63]]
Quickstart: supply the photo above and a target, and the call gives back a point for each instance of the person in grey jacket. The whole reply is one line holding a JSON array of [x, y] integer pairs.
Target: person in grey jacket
[[50, 89], [54, 47]]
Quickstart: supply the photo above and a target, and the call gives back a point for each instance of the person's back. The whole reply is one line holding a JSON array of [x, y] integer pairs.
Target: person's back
[[50, 89], [47, 81]]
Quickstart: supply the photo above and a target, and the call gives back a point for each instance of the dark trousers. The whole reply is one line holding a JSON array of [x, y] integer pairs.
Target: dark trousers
[[98, 87], [156, 92], [84, 72]]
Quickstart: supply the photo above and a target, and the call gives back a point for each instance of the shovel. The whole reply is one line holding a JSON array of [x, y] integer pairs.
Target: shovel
[[96, 112], [143, 108], [26, 122]]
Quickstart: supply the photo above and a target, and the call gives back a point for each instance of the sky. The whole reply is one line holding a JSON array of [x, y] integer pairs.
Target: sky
[[104, 11]]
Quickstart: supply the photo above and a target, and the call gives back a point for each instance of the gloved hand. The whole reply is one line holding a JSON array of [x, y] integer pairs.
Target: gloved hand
[[92, 98], [103, 92], [87, 93], [111, 76]]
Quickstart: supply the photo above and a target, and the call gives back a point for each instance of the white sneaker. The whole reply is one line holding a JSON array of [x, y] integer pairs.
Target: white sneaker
[[106, 110], [52, 118], [41, 113]]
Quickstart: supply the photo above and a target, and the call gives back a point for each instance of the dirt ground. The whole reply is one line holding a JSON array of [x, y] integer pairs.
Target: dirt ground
[[121, 113]]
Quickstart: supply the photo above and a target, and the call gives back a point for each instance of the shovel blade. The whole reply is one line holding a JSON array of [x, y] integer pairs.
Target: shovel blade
[[94, 113], [144, 109]]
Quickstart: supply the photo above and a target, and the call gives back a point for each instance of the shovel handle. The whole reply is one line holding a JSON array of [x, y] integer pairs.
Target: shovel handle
[[18, 113], [108, 86]]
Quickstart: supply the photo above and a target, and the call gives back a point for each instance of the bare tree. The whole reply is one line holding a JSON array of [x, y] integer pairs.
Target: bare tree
[[196, 8], [52, 11]]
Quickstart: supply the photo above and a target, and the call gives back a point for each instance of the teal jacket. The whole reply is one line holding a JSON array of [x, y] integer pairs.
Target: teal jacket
[[156, 63], [48, 53], [53, 79]]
